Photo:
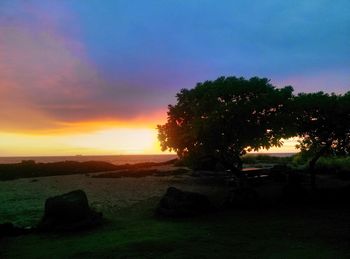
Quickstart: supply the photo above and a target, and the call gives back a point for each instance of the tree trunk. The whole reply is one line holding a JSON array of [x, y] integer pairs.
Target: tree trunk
[[312, 164], [242, 178], [239, 163]]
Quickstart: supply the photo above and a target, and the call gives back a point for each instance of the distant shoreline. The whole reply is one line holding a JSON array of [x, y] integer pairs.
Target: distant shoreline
[[114, 159]]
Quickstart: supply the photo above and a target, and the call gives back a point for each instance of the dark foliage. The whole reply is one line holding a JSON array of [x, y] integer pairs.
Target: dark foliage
[[219, 121], [268, 159], [322, 122], [214, 124]]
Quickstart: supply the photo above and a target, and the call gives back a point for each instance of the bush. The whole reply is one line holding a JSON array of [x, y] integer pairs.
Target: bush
[[257, 159], [333, 164]]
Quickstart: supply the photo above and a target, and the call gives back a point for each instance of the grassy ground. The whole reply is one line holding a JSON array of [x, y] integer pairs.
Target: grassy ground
[[135, 233], [132, 231]]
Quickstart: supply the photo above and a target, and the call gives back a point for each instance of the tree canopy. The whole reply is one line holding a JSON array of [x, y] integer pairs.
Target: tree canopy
[[323, 123], [225, 118]]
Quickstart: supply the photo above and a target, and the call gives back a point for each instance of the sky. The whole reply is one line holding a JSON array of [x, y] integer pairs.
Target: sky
[[95, 77]]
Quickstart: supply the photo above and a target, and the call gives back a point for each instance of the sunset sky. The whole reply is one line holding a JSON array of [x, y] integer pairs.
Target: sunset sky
[[95, 77]]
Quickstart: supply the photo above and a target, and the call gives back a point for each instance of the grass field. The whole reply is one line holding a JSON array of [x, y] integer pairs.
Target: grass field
[[135, 233], [132, 231]]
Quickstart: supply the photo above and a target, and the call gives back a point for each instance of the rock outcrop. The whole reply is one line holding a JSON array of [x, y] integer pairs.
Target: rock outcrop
[[176, 204], [70, 211]]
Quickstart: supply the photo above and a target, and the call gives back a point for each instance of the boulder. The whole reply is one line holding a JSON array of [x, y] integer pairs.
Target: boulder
[[70, 211], [176, 204]]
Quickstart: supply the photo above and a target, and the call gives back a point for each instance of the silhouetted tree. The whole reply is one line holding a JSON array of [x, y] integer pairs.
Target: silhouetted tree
[[223, 119], [323, 124]]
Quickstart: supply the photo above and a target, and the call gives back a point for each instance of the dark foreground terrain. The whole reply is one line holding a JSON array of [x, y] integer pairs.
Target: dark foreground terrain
[[135, 233], [316, 227]]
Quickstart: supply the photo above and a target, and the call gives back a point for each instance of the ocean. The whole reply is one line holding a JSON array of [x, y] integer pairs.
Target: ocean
[[114, 159]]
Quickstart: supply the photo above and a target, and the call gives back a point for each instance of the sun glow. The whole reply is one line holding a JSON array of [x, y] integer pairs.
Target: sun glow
[[102, 142], [111, 141], [289, 146]]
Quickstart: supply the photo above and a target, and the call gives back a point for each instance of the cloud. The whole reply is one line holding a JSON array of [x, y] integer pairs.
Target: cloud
[[66, 62], [40, 74], [47, 79]]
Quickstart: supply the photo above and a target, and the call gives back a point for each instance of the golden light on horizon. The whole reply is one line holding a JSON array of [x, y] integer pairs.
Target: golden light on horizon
[[109, 141], [96, 137], [120, 140], [112, 141], [288, 147]]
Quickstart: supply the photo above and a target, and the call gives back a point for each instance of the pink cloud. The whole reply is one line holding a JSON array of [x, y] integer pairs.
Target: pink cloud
[[42, 73]]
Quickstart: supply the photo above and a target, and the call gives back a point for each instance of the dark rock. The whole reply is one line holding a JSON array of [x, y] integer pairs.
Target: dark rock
[[176, 203], [244, 197], [70, 211]]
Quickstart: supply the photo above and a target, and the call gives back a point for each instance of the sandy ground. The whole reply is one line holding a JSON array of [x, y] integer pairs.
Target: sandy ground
[[22, 201]]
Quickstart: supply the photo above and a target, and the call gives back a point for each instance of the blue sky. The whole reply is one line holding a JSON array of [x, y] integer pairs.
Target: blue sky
[[199, 40], [88, 60]]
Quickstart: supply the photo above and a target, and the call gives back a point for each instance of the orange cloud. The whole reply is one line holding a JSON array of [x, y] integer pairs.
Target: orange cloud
[[48, 84], [62, 128]]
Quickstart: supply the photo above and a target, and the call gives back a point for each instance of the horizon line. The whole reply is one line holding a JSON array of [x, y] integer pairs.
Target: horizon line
[[157, 154]]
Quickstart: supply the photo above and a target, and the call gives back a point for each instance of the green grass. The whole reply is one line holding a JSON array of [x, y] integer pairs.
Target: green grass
[[328, 164], [135, 233], [265, 159], [334, 163]]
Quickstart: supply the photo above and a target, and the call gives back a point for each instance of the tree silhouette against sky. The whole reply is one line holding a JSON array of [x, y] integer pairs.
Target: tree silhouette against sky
[[323, 125], [219, 121], [222, 120]]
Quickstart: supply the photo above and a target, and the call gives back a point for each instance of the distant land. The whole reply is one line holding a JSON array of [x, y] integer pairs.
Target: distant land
[[114, 159]]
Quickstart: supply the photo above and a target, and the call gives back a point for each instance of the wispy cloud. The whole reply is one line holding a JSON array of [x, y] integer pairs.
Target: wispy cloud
[[65, 63], [47, 79]]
